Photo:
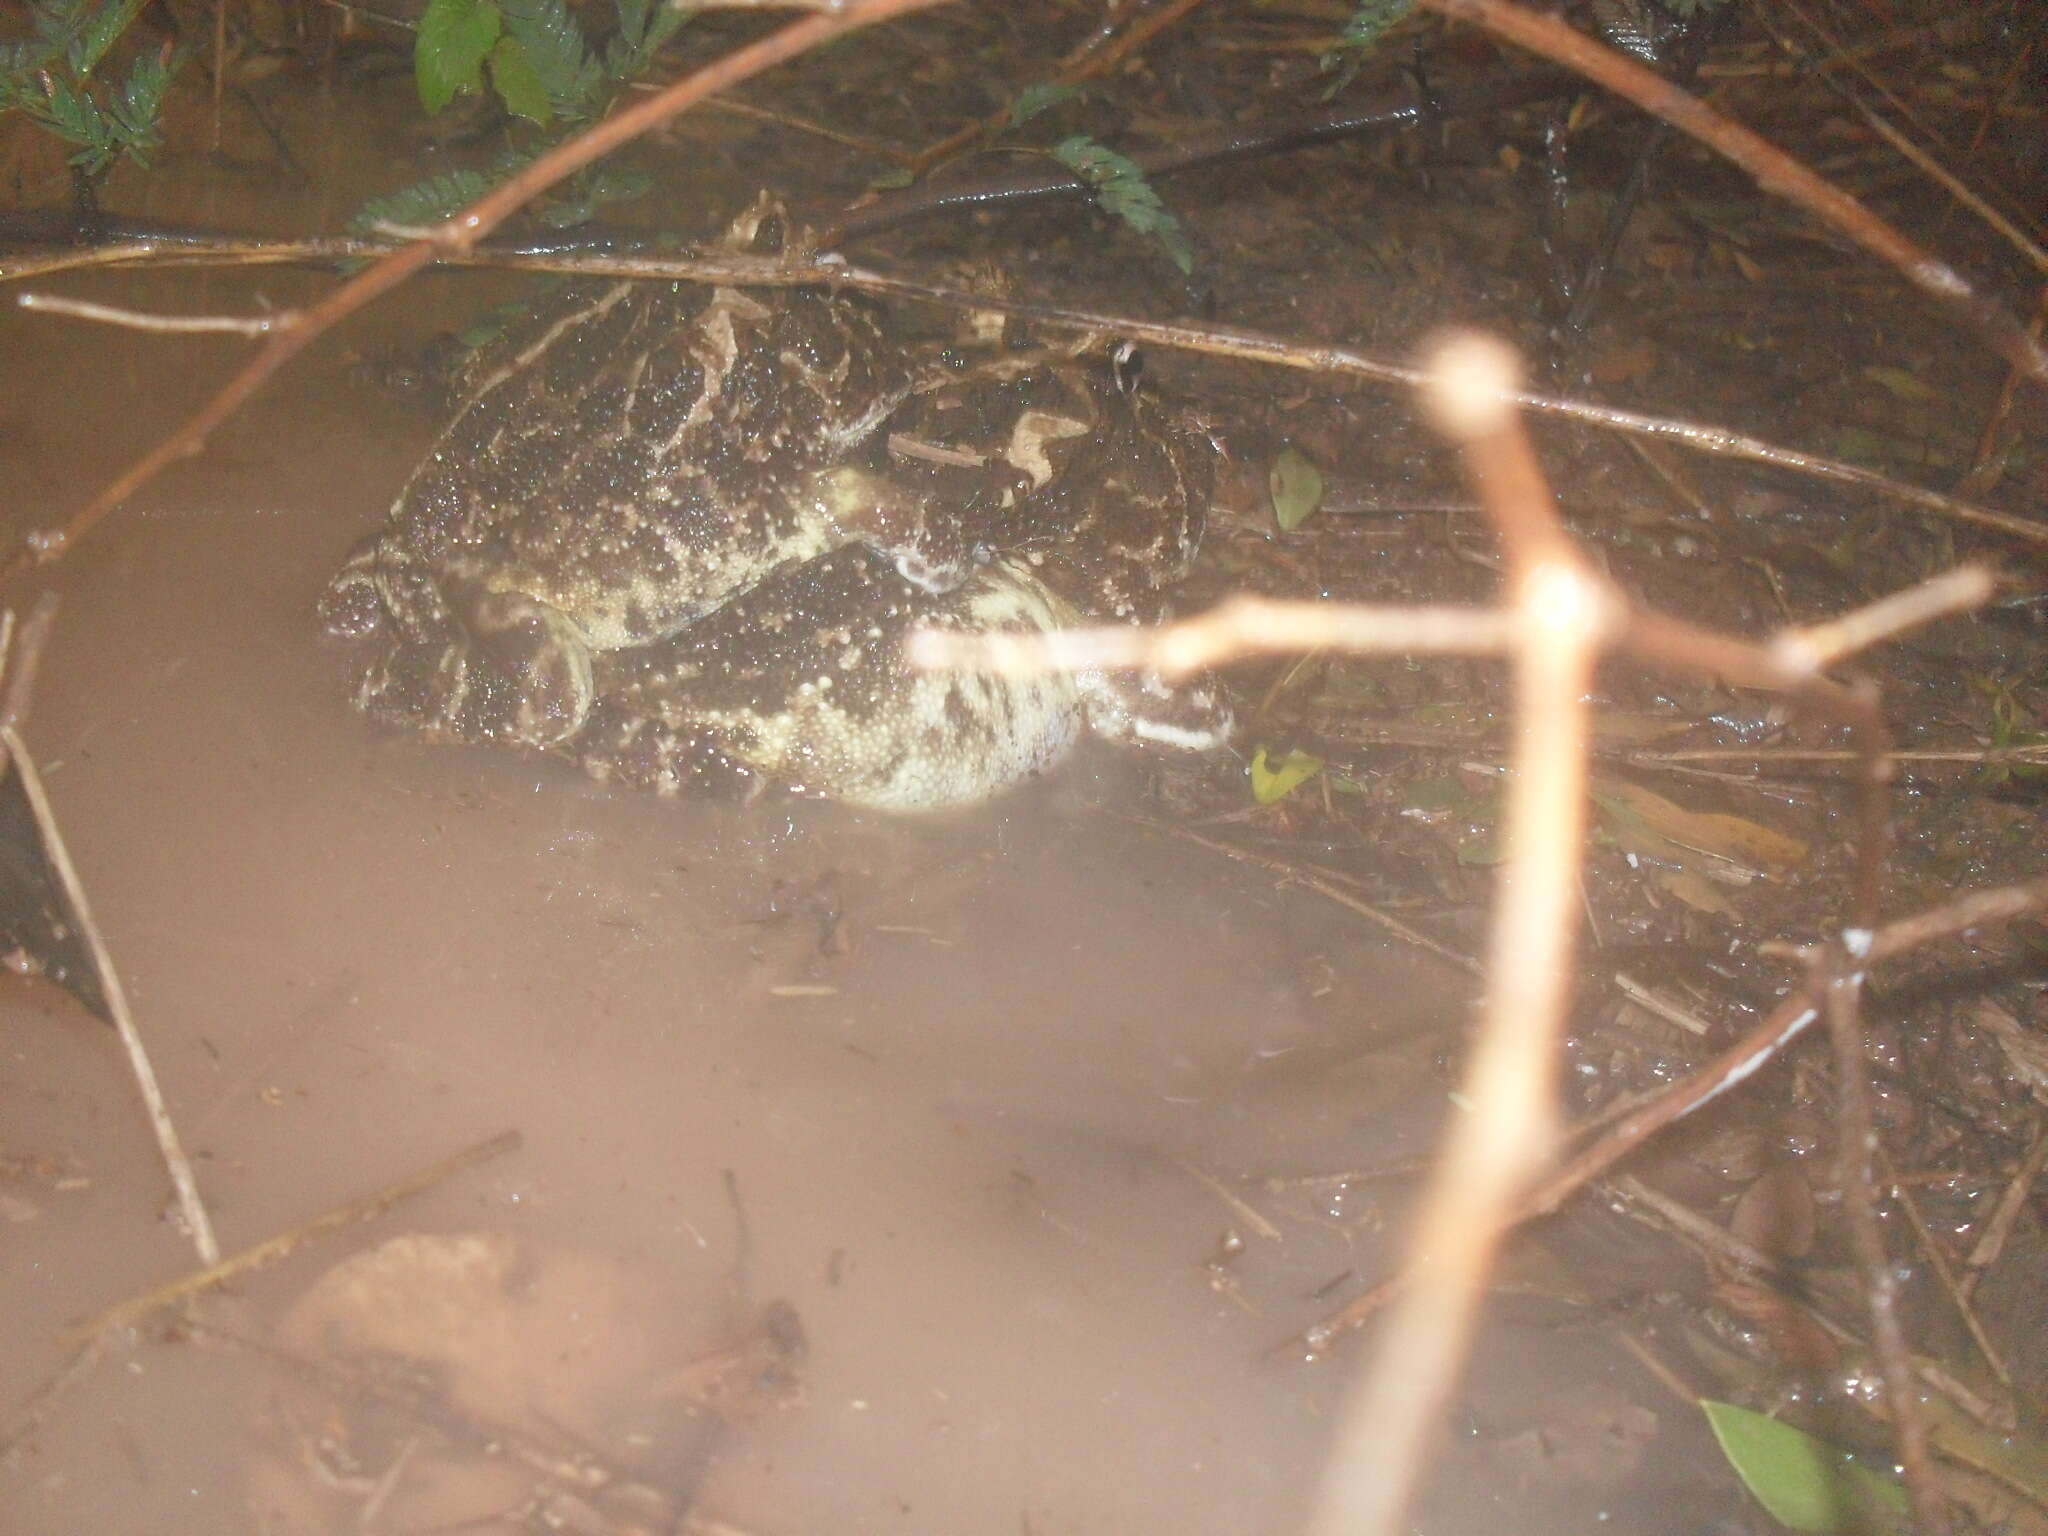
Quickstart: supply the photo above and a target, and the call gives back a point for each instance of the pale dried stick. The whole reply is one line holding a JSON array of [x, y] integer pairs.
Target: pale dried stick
[[1816, 647], [2005, 1216], [1563, 613], [164, 325], [1790, 662], [1238, 626]]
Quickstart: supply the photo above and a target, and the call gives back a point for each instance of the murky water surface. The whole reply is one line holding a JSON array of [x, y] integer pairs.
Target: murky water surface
[[965, 1094]]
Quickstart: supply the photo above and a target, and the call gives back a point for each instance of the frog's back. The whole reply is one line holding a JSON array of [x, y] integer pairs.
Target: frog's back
[[627, 463]]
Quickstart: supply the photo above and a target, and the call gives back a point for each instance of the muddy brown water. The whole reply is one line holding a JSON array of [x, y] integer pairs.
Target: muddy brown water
[[970, 1078]]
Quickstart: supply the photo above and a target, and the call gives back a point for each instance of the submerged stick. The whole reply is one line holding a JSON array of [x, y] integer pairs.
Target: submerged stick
[[190, 1207], [125, 1314]]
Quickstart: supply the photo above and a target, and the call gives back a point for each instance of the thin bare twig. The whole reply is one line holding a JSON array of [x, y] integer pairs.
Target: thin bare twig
[[1261, 347], [1232, 1201], [741, 270], [2011, 1202], [192, 1210], [1238, 626], [1954, 186], [2033, 754], [1925, 162], [1763, 1043], [21, 657], [1791, 662], [165, 325], [1816, 647], [1656, 1003], [1944, 1272], [1327, 883]]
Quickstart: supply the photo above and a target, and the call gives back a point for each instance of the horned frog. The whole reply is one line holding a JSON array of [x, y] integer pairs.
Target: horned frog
[[662, 515]]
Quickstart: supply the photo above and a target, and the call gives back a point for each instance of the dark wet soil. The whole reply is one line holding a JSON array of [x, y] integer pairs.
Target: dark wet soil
[[1049, 1125]]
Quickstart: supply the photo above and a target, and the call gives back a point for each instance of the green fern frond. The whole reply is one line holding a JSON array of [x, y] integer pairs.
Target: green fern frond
[[644, 25], [560, 57], [1122, 190], [136, 108], [424, 202], [1372, 19]]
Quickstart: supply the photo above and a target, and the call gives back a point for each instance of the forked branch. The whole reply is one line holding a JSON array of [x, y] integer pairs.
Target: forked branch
[[1560, 614]]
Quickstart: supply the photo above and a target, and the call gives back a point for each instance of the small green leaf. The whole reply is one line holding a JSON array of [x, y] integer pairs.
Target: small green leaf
[[1804, 1483], [1445, 792], [1034, 99], [632, 22], [1296, 486], [893, 181], [1372, 18], [1905, 385], [1272, 782], [70, 109], [641, 33], [517, 85], [135, 110], [1122, 190], [1479, 846], [454, 38], [98, 32]]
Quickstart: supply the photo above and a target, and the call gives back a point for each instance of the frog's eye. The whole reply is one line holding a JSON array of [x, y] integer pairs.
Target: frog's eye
[[1126, 363]]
